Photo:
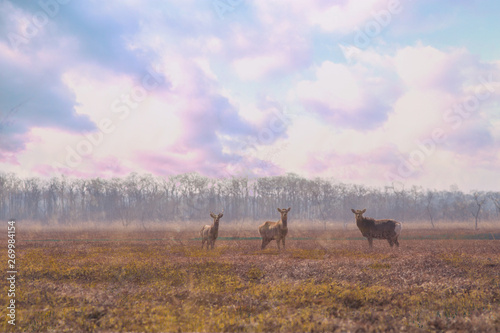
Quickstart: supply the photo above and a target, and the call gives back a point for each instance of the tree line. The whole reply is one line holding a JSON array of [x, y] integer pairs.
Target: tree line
[[190, 197]]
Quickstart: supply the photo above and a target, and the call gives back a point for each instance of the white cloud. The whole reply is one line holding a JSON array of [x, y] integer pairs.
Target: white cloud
[[352, 96], [341, 17], [422, 67], [336, 86], [258, 67], [415, 116]]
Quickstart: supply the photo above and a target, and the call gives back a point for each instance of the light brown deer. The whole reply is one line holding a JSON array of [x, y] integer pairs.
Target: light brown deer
[[209, 233], [274, 230], [380, 229]]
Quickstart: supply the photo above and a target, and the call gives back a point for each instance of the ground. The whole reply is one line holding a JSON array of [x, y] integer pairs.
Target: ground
[[161, 281]]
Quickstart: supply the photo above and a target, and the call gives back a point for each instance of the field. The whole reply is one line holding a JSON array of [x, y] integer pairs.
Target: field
[[161, 281]]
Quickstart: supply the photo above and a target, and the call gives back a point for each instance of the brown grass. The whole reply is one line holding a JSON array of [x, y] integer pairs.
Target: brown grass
[[327, 283]]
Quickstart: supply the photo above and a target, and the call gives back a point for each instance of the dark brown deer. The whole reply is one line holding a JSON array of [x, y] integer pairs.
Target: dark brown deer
[[275, 230], [209, 233], [380, 229]]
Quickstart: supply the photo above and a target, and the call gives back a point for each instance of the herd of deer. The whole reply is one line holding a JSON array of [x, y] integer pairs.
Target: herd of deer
[[370, 228]]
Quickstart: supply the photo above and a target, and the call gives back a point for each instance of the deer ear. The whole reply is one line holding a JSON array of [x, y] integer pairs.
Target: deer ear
[[279, 210], [221, 215], [363, 211], [212, 215], [289, 209], [352, 210]]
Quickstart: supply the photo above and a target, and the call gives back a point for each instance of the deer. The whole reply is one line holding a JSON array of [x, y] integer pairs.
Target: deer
[[275, 230], [209, 233], [380, 229]]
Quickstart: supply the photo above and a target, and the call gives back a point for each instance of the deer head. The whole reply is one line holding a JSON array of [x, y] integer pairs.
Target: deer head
[[358, 213], [217, 217], [284, 212]]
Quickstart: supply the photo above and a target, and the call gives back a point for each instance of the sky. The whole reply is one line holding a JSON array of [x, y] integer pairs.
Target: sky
[[370, 92]]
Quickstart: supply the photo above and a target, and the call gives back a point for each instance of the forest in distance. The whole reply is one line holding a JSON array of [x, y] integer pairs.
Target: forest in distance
[[190, 197]]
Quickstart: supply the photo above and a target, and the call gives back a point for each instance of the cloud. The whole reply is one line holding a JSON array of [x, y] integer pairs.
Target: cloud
[[33, 95], [229, 86], [255, 68], [98, 34], [212, 132], [208, 123], [449, 91], [347, 96], [472, 138], [96, 40], [330, 16], [425, 67], [434, 82], [355, 167]]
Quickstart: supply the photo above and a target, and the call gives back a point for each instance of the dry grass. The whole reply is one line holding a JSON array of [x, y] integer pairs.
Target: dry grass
[[328, 283]]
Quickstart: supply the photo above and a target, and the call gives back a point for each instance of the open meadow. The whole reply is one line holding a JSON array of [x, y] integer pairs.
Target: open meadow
[[161, 281]]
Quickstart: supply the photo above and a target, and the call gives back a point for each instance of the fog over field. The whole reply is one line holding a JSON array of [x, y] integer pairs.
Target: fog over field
[[148, 201]]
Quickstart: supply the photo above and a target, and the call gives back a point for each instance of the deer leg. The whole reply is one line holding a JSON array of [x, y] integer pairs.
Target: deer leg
[[396, 241], [202, 243], [278, 242], [213, 244], [390, 242], [370, 242], [264, 243], [283, 243]]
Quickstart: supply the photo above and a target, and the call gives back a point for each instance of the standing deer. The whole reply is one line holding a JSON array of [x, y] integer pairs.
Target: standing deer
[[274, 230], [209, 233], [381, 229]]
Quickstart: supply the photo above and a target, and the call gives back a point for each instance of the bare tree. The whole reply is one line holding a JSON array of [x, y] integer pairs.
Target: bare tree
[[495, 198], [145, 198], [399, 191], [479, 200], [429, 198]]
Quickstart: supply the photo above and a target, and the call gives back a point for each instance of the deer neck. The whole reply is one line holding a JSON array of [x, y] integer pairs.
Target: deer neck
[[361, 223], [283, 222]]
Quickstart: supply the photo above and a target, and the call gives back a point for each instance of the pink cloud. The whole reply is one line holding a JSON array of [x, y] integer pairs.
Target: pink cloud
[[50, 171], [9, 158], [426, 67], [370, 167], [106, 167], [348, 96], [171, 163], [111, 166], [11, 144]]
